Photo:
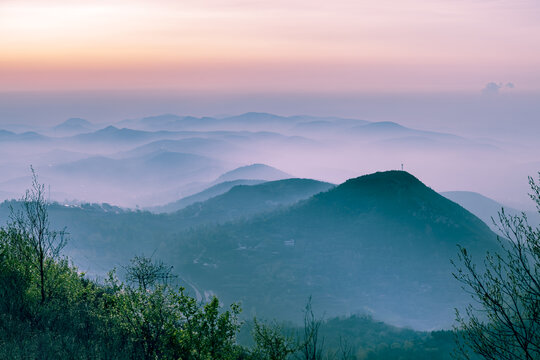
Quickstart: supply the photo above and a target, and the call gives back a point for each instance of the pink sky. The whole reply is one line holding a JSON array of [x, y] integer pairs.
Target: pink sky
[[278, 45]]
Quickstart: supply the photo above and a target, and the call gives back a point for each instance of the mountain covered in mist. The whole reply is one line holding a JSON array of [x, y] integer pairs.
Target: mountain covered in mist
[[487, 209], [117, 162], [254, 172], [206, 194], [26, 137], [193, 145], [161, 165], [73, 126], [380, 244], [244, 201], [247, 199]]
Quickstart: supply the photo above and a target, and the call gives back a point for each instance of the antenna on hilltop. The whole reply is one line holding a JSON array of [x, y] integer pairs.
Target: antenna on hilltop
[[402, 167]]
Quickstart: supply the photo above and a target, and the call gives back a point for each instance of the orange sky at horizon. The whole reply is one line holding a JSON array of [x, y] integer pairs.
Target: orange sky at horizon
[[295, 45]]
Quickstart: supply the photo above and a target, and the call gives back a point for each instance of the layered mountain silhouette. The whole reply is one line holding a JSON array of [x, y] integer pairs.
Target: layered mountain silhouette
[[162, 165], [243, 201], [204, 195], [254, 172], [73, 126], [192, 145], [28, 136], [487, 209], [328, 148], [125, 136]]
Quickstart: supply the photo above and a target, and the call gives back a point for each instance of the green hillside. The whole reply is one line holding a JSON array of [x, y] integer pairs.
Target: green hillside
[[103, 236], [378, 244], [247, 200]]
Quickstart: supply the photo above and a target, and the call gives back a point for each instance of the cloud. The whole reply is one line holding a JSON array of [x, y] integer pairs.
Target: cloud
[[493, 88]]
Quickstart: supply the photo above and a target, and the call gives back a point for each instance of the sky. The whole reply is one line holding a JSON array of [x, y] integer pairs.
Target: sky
[[293, 46], [466, 67]]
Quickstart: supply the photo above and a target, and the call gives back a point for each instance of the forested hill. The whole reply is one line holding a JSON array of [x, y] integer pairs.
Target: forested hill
[[104, 236], [379, 244]]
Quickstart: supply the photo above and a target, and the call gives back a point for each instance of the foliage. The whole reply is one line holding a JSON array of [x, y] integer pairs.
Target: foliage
[[504, 321], [271, 343], [354, 338], [311, 346], [48, 310], [43, 245], [205, 333], [147, 273]]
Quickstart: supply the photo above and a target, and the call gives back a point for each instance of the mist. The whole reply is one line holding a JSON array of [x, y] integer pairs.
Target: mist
[[478, 142]]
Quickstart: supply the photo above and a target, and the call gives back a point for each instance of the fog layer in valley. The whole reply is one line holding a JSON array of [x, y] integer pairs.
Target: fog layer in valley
[[151, 161]]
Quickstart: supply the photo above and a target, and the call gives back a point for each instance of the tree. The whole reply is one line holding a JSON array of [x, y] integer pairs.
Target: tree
[[163, 322], [311, 346], [344, 351], [504, 321], [147, 273], [143, 307], [31, 222], [271, 343], [204, 332]]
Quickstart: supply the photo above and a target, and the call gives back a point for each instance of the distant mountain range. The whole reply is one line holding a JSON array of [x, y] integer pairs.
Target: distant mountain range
[[115, 135], [487, 209], [206, 194], [28, 136], [73, 126], [327, 148], [254, 172], [251, 121], [161, 165], [193, 145], [244, 201]]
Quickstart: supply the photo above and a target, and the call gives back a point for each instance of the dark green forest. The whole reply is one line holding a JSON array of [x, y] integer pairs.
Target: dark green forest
[[146, 317]]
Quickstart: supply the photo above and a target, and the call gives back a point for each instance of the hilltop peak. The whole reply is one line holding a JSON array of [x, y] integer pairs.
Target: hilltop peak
[[256, 116], [73, 125], [109, 128], [385, 124], [76, 122], [397, 192], [254, 172], [383, 178]]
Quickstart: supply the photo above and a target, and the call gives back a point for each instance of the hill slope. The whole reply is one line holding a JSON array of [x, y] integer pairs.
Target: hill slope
[[247, 200], [254, 172], [380, 244], [73, 126], [204, 195], [103, 237], [485, 208]]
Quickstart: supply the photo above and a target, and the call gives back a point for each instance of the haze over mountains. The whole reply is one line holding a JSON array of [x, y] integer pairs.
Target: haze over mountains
[[156, 160]]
